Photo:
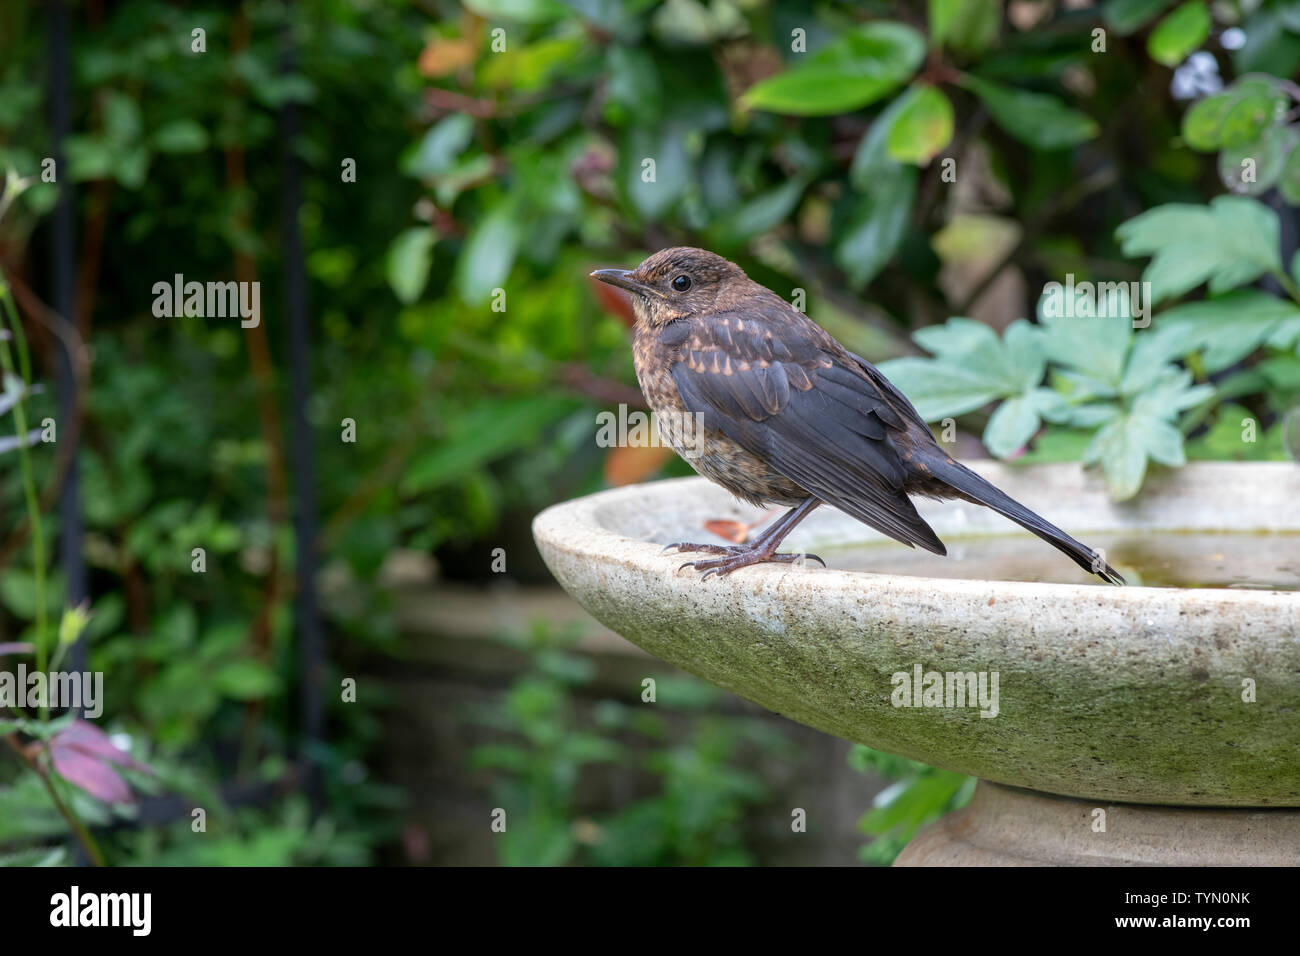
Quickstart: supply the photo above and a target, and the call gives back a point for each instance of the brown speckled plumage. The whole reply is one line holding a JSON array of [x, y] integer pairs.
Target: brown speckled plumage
[[787, 414]]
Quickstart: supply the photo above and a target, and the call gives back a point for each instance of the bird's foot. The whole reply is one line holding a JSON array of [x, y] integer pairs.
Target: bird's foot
[[736, 556]]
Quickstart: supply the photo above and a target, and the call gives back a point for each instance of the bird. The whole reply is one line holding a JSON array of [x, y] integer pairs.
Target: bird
[[758, 398]]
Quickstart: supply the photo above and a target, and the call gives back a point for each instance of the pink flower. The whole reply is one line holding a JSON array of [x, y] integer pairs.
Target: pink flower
[[84, 755]]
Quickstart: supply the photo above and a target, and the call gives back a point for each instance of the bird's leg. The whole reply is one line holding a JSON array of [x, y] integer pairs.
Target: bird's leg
[[779, 528], [738, 531], [759, 551]]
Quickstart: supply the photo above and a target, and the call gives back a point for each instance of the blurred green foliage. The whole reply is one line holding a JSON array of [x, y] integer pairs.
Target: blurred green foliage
[[919, 795], [696, 813], [881, 148], [178, 165]]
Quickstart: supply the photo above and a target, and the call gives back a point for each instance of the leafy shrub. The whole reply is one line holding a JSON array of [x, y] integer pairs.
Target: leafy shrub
[[695, 814]]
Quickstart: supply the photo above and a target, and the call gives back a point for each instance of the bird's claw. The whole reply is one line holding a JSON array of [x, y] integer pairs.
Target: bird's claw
[[737, 557], [683, 546]]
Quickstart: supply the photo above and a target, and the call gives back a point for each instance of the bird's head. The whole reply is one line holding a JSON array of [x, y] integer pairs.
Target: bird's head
[[677, 283]]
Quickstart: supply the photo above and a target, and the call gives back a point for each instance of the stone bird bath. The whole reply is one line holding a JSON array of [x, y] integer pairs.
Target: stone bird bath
[[1138, 725]]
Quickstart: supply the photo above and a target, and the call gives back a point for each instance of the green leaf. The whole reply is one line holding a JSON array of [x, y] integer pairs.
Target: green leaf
[[1285, 336], [1014, 365], [440, 147], [759, 214], [844, 75], [940, 389], [1228, 439], [1229, 328], [18, 593], [489, 254], [907, 806], [1236, 117], [1011, 426], [1171, 393], [1288, 182], [1127, 16], [408, 262], [246, 679], [89, 157], [122, 122], [131, 167], [874, 226], [1120, 450], [506, 757], [492, 430], [1094, 345], [523, 69], [1254, 169], [1151, 355], [588, 748], [1057, 444], [180, 136], [1091, 415], [872, 155], [1180, 33], [34, 727], [520, 11], [1161, 440], [1201, 123], [1228, 243], [959, 340], [468, 171], [1255, 110], [632, 86], [1036, 119], [271, 87], [1282, 372], [1146, 431], [1270, 47], [923, 126], [537, 840], [1024, 359], [967, 26], [654, 197], [1289, 15], [974, 368]]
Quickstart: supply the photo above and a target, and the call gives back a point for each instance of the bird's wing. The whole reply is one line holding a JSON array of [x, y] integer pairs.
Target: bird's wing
[[897, 399], [776, 385]]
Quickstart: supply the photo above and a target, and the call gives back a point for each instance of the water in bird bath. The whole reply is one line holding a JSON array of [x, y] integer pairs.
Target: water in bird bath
[[1150, 558]]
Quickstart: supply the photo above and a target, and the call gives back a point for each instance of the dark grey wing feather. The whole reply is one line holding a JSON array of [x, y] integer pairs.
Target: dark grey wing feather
[[890, 389], [810, 413]]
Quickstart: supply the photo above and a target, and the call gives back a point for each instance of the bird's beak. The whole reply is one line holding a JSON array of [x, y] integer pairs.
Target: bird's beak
[[623, 279]]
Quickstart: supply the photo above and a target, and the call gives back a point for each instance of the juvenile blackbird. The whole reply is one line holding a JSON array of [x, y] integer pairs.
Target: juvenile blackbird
[[788, 415]]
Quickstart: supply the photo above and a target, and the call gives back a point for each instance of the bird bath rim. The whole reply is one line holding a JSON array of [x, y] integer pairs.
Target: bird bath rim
[[1126, 694], [1269, 503]]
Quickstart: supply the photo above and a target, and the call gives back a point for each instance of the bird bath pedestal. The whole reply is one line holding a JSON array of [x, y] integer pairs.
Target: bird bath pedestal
[[1138, 725]]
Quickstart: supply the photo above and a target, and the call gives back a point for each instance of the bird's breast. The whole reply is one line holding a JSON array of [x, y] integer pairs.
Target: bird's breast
[[708, 451]]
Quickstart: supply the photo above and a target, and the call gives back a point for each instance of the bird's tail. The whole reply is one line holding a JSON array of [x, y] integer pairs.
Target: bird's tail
[[974, 488]]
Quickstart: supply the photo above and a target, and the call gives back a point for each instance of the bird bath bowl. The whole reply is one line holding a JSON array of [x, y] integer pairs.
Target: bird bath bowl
[[1173, 708]]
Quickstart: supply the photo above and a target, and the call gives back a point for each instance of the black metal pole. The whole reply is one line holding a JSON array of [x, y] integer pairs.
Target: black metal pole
[[63, 296], [310, 638]]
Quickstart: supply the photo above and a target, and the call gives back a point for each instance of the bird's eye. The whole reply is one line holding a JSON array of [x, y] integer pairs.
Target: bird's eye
[[682, 283]]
